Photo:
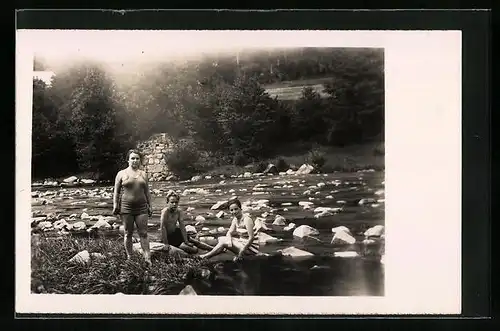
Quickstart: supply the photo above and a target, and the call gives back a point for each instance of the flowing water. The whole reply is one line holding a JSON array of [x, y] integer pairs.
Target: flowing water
[[359, 194]]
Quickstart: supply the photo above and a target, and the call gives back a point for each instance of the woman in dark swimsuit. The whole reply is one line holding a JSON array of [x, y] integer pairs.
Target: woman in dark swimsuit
[[134, 205]]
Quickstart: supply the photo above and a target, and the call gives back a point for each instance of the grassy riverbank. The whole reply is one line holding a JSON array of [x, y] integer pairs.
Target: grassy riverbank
[[52, 272], [344, 159]]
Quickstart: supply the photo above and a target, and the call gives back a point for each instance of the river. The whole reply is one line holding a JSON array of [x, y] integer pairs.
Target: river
[[359, 194]]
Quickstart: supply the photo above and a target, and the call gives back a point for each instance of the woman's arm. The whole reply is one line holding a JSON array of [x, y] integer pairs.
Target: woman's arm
[[116, 192], [249, 225], [232, 228], [163, 228], [230, 232], [148, 193]]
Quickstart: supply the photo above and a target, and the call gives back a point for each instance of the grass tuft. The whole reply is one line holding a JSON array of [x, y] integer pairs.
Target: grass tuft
[[53, 273]]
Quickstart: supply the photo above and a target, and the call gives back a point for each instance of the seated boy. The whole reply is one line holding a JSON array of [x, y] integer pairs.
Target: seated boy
[[173, 230]]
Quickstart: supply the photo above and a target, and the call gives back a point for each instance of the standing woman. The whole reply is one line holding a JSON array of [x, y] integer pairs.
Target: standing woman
[[134, 205]]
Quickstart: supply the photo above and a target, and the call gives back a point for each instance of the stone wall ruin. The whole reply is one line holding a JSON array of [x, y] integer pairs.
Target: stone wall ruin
[[153, 151]]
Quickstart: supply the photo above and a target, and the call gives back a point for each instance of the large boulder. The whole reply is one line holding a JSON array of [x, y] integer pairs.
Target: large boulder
[[305, 231], [264, 238], [279, 220], [305, 169], [271, 169], [375, 231], [343, 238]]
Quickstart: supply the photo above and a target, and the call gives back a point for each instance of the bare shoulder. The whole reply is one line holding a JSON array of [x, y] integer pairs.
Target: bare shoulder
[[247, 218], [119, 174]]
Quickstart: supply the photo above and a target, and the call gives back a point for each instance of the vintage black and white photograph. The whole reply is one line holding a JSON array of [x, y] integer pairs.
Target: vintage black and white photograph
[[207, 167]]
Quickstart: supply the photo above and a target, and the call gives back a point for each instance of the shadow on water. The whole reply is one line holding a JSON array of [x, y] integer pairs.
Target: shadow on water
[[277, 275]]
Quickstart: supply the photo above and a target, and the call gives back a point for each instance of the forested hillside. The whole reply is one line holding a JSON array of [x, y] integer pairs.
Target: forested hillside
[[225, 107]]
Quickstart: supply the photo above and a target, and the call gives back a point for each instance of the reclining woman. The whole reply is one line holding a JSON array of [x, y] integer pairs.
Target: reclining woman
[[246, 244], [134, 205], [173, 229]]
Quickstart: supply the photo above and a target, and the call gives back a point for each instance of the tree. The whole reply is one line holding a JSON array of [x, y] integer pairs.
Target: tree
[[50, 144], [309, 116], [356, 98], [87, 101]]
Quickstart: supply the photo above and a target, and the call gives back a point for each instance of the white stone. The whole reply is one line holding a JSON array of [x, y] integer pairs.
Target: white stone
[[341, 228], [200, 219], [375, 231], [305, 231], [295, 252], [327, 209], [191, 229], [342, 238], [305, 204], [188, 290], [346, 254], [101, 224], [366, 201], [264, 238], [71, 179], [279, 220], [81, 257]]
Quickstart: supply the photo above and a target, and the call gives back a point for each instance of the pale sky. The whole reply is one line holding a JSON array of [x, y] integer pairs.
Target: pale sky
[[122, 45]]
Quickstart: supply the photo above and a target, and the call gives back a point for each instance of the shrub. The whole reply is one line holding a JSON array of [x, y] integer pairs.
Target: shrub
[[281, 165], [240, 159], [261, 166], [183, 160], [316, 158]]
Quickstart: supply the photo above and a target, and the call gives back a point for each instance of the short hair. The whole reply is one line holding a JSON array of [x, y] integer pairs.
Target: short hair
[[134, 151], [234, 200], [173, 194]]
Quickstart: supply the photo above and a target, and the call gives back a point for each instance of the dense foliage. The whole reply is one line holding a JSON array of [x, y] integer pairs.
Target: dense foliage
[[89, 116]]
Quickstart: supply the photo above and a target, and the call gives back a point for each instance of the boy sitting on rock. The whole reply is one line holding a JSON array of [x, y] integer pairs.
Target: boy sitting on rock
[[173, 230]]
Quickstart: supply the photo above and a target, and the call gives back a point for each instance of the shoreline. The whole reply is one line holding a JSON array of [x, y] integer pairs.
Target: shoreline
[[206, 176], [348, 159]]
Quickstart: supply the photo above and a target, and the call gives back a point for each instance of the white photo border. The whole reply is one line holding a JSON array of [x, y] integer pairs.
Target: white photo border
[[423, 172]]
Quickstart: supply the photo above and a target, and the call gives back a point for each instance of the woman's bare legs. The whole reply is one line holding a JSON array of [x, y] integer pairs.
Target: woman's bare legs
[[142, 228], [223, 243], [128, 224]]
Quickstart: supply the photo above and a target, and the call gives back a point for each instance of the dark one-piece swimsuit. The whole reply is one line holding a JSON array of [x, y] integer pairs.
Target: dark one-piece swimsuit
[[135, 202]]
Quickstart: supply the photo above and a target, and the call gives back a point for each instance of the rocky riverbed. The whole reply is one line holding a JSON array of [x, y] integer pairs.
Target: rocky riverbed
[[328, 228]]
